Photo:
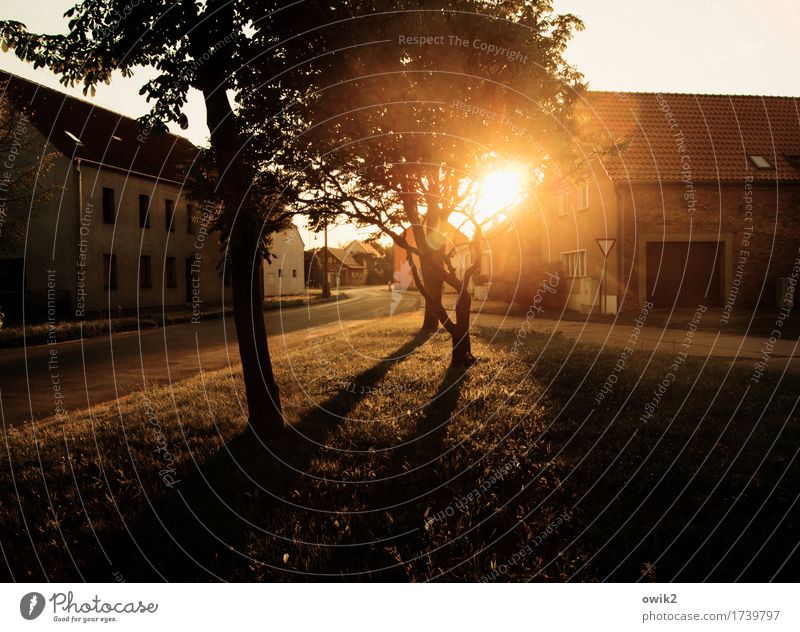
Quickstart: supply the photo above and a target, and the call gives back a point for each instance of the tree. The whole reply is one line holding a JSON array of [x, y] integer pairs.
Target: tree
[[202, 46], [23, 181], [382, 268], [403, 128]]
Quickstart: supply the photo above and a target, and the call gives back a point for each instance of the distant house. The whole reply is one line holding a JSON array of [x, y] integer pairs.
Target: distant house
[[343, 269], [122, 233], [701, 205], [284, 275], [365, 256]]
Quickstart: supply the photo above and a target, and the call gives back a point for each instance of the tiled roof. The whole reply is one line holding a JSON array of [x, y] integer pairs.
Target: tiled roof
[[362, 247], [344, 258], [711, 135], [106, 137]]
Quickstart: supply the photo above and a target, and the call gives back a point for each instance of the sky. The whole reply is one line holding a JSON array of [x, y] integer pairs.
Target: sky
[[707, 46]]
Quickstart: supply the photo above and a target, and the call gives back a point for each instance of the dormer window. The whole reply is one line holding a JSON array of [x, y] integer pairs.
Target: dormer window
[[759, 162]]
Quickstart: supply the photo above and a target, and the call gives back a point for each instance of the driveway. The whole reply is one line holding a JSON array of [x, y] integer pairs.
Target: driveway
[[80, 374]]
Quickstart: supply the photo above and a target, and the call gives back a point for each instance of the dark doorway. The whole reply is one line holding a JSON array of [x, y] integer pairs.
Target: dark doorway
[[685, 274]]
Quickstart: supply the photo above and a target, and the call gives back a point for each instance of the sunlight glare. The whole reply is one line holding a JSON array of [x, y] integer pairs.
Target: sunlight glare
[[499, 191]]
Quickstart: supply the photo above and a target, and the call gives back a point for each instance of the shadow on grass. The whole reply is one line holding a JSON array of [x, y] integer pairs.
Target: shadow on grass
[[432, 426], [245, 491]]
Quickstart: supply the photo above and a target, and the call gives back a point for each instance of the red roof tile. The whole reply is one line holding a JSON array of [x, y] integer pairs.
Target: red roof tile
[[712, 135], [106, 137]]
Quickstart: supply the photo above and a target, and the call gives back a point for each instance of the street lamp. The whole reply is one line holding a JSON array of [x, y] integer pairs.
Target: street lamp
[[326, 286]]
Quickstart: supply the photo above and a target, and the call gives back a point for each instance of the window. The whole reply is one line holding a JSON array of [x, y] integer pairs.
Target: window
[[583, 194], [294, 274], [574, 263], [759, 161], [109, 272], [144, 211], [171, 272], [564, 201], [109, 212], [145, 276], [190, 218], [169, 214], [280, 273]]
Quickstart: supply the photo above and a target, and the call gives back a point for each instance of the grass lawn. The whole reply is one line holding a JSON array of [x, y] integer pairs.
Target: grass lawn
[[401, 469]]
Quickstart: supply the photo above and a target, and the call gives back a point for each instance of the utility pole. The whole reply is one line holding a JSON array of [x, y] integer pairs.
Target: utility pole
[[326, 286]]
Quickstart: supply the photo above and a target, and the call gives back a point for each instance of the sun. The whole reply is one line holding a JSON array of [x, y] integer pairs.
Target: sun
[[495, 194], [499, 191]]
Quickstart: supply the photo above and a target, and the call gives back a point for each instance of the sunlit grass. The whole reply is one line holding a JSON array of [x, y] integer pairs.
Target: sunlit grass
[[373, 488]]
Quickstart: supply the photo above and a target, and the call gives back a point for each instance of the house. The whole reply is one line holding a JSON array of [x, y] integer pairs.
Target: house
[[455, 242], [700, 205], [283, 274], [364, 255], [343, 269], [511, 254], [121, 232]]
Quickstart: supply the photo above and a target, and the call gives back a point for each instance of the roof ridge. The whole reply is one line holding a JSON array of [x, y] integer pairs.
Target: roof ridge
[[692, 94], [5, 75]]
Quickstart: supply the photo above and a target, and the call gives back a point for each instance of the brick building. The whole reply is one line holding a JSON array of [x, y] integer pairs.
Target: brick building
[[700, 205]]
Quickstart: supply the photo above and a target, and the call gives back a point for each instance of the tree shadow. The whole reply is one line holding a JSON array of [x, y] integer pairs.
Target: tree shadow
[[183, 539], [433, 423]]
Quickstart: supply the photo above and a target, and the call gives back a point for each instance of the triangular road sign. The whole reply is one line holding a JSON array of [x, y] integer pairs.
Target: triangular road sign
[[606, 245]]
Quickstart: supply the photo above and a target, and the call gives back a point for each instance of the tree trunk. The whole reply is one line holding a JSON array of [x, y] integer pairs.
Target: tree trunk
[[460, 336], [431, 277], [263, 398]]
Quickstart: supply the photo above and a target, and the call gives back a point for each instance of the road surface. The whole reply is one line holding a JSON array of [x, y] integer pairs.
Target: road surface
[[82, 373]]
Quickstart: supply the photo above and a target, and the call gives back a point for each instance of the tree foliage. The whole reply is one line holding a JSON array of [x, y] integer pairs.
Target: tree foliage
[[406, 105]]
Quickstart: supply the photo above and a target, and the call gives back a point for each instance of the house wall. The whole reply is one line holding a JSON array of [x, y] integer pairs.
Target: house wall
[[511, 256], [128, 241], [52, 231], [758, 223], [567, 228], [67, 238], [283, 275]]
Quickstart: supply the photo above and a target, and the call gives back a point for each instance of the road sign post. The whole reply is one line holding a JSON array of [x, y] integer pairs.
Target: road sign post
[[605, 246]]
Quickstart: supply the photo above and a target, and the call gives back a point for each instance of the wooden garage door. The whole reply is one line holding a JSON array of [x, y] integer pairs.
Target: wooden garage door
[[685, 274]]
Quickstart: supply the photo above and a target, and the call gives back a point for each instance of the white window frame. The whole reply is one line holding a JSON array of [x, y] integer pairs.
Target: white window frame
[[574, 263], [583, 194]]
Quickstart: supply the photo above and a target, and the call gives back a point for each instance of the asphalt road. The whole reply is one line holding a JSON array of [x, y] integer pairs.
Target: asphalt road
[[83, 373]]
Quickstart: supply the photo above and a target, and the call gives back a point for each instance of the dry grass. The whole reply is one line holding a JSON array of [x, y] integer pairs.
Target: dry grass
[[369, 485]]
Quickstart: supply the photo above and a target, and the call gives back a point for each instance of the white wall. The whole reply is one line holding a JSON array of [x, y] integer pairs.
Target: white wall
[[284, 274]]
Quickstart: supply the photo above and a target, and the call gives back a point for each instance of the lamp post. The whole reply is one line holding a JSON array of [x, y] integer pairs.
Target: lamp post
[[326, 286]]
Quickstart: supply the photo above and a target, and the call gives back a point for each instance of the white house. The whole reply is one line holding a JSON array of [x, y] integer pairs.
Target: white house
[[284, 274], [120, 232]]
